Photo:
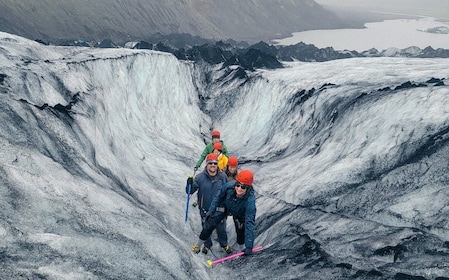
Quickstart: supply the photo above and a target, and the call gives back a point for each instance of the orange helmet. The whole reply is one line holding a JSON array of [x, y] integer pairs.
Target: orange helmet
[[211, 157], [218, 146], [215, 134], [233, 161], [245, 177]]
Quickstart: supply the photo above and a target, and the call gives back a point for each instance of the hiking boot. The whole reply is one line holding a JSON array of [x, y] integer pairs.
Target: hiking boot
[[196, 248], [205, 250], [227, 249]]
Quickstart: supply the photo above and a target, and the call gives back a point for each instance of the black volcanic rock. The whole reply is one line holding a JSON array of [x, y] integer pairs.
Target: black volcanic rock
[[306, 52], [143, 45], [252, 59], [178, 41], [41, 42], [212, 54], [107, 43], [2, 78], [409, 85], [264, 47], [436, 82], [263, 55], [163, 47]]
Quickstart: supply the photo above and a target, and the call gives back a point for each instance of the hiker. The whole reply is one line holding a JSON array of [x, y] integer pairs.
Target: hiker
[[231, 168], [235, 198], [222, 158], [217, 148], [209, 148], [208, 183]]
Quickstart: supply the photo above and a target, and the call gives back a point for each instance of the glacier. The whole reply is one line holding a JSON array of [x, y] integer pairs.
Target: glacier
[[350, 159]]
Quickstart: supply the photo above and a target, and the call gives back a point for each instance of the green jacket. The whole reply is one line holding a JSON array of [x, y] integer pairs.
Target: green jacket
[[207, 150]]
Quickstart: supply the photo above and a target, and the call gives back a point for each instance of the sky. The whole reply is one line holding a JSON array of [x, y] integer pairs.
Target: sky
[[433, 8], [350, 161]]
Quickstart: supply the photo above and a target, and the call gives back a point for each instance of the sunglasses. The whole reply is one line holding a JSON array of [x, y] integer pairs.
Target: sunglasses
[[212, 163], [242, 186]]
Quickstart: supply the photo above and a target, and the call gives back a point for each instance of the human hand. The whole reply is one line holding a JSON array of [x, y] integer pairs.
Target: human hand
[[190, 180], [208, 215]]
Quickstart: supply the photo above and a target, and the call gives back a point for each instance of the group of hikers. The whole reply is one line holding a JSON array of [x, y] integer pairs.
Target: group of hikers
[[223, 191]]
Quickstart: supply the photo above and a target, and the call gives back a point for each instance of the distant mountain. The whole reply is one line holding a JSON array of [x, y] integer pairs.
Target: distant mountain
[[263, 55], [122, 20]]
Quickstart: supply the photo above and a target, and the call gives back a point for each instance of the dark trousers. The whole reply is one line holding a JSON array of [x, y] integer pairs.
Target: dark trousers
[[215, 221], [220, 228], [239, 230]]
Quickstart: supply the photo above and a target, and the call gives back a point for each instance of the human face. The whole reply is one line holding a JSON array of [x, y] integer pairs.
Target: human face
[[232, 169], [212, 167], [215, 140], [240, 189]]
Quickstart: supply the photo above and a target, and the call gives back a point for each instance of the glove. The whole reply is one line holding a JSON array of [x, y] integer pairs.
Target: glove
[[190, 180], [195, 168], [247, 251], [208, 216]]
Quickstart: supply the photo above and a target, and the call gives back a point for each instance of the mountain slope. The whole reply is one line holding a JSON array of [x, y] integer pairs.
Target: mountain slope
[[121, 20]]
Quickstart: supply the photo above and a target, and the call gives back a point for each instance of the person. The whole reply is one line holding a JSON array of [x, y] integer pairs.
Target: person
[[222, 158], [209, 148], [235, 198], [231, 168], [208, 183], [217, 149]]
